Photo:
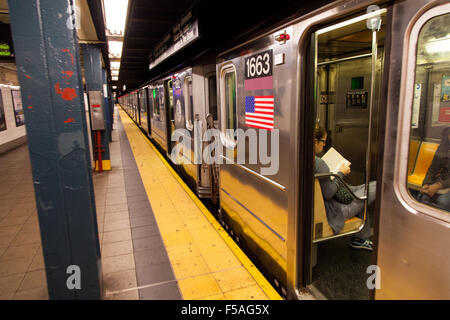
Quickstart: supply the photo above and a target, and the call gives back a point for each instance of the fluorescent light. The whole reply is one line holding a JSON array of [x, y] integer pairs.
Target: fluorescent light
[[115, 48], [351, 21], [114, 72], [115, 78], [116, 14], [114, 87], [438, 46], [115, 65]]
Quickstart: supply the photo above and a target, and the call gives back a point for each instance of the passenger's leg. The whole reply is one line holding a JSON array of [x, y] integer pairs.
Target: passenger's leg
[[357, 207], [359, 191], [443, 201], [353, 209], [366, 231], [424, 198]]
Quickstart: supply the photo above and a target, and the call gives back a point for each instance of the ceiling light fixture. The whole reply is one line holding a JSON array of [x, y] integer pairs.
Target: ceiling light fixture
[[116, 14]]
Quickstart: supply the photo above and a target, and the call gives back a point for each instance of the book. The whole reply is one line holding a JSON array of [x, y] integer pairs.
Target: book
[[334, 160]]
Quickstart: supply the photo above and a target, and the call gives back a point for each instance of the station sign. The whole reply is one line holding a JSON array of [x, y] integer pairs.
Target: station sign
[[5, 50], [183, 33]]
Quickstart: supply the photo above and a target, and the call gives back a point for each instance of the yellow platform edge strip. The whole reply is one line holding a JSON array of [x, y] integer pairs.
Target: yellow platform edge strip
[[271, 293]]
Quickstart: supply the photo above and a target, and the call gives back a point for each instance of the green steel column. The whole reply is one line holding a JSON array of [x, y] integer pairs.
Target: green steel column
[[93, 73], [47, 58]]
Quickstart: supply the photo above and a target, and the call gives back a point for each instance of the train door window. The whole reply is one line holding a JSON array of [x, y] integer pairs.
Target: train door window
[[229, 121], [2, 115], [188, 103], [135, 106], [168, 91], [428, 172], [143, 107], [212, 96], [155, 101]]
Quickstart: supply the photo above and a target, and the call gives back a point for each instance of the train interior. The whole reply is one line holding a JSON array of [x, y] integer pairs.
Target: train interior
[[343, 84]]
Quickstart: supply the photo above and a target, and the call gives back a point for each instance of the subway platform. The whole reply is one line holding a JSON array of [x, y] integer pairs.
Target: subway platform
[[158, 241]]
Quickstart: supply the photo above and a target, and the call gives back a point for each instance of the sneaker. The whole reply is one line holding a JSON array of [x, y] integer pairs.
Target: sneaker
[[361, 244]]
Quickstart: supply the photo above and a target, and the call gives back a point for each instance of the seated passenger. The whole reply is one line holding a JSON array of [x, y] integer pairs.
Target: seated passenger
[[338, 212], [438, 177]]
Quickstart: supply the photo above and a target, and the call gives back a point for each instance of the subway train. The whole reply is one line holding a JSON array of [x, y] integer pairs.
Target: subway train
[[376, 76]]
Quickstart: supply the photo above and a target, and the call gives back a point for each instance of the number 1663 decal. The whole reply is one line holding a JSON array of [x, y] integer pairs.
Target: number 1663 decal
[[259, 65]]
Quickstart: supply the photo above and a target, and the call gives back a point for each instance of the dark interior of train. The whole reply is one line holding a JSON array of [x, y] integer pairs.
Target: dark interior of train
[[343, 91], [171, 116]]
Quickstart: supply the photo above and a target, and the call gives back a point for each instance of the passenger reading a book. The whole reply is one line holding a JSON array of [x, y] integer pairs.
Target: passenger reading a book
[[340, 205]]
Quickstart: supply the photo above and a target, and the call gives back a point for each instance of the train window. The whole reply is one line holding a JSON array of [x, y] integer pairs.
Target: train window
[[2, 116], [229, 101], [188, 103], [428, 177], [212, 96], [168, 86], [155, 101], [170, 95]]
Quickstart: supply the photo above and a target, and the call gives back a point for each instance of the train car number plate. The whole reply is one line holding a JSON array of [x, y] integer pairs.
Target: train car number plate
[[259, 65]]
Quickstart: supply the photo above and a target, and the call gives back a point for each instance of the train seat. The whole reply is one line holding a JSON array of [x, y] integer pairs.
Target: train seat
[[321, 227], [423, 162]]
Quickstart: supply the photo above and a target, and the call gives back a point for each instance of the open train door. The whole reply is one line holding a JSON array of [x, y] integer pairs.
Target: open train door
[[346, 60]]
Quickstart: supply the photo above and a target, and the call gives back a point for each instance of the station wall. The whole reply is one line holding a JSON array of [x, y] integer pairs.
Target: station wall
[[12, 119]]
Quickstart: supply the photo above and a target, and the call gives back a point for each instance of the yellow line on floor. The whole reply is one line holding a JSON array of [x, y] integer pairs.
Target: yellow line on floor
[[131, 129]]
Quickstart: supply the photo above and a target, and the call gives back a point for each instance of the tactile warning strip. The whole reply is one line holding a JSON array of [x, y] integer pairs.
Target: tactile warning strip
[[206, 262]]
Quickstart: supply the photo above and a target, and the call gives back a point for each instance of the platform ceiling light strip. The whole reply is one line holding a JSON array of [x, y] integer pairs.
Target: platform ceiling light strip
[[115, 48], [115, 65], [351, 21], [116, 15]]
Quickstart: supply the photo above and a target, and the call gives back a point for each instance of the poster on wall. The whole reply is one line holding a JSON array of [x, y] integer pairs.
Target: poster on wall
[[18, 108], [444, 108], [416, 105], [436, 104], [2, 115]]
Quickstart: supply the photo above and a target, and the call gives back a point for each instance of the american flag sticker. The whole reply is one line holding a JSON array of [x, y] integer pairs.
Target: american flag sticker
[[259, 112]]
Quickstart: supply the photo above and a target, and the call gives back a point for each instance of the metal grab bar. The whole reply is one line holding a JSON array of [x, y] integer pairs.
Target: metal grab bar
[[331, 174]]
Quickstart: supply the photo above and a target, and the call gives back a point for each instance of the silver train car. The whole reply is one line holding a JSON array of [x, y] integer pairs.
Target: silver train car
[[182, 100], [376, 75]]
